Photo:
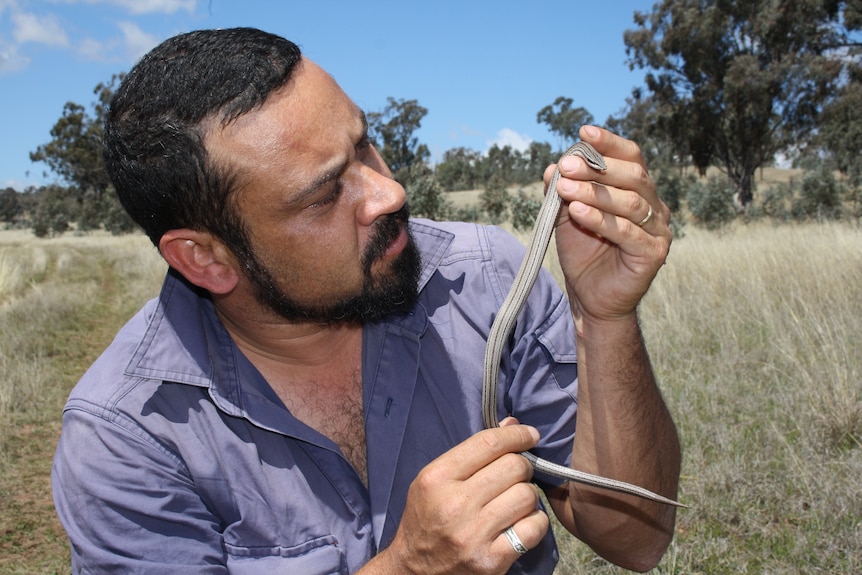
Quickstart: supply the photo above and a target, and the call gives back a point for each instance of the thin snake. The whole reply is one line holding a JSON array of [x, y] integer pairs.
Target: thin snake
[[507, 316]]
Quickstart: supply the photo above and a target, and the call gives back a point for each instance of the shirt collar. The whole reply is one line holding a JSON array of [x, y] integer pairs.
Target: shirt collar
[[185, 342]]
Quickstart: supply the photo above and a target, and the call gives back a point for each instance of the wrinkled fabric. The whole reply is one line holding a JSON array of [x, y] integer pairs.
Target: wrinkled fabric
[[177, 456]]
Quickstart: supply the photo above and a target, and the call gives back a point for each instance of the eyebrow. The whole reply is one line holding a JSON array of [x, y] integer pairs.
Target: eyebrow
[[336, 170]]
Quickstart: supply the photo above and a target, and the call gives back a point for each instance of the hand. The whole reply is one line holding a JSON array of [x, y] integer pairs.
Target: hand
[[460, 504], [608, 260]]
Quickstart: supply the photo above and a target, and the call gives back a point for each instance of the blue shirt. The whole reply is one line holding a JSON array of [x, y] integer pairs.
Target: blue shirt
[[177, 456]]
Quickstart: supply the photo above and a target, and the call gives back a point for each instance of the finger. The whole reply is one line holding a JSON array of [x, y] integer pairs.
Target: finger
[[649, 248], [621, 174], [465, 459], [621, 203], [498, 476], [513, 504], [611, 145], [529, 532]]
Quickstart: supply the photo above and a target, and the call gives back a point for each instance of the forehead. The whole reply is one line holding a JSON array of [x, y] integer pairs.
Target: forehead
[[300, 126]]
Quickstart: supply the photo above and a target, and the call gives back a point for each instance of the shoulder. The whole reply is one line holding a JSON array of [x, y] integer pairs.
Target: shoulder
[[447, 243]]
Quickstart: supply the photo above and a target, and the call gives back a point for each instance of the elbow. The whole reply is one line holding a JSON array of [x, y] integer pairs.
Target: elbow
[[640, 549], [641, 559], [646, 559]]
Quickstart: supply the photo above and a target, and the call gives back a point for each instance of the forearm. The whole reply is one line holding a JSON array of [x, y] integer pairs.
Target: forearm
[[624, 431]]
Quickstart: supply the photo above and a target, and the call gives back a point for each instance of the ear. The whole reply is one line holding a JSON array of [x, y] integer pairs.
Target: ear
[[201, 258]]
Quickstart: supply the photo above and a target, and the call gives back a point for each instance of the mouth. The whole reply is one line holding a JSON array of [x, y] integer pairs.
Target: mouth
[[397, 245], [390, 238]]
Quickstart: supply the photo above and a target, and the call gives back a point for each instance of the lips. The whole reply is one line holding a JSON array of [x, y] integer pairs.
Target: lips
[[397, 245], [390, 238]]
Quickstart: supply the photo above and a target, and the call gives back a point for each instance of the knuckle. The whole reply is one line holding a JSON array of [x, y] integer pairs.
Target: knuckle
[[430, 478]]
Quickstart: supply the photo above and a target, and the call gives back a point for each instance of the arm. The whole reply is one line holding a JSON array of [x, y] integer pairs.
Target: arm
[[624, 430], [125, 505]]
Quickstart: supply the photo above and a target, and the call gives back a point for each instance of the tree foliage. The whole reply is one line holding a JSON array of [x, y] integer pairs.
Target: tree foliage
[[495, 200], [10, 206], [840, 130], [564, 120], [74, 153], [457, 169], [735, 82], [393, 133]]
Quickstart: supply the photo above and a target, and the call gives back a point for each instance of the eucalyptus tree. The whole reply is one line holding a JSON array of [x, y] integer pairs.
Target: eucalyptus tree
[[393, 132], [74, 155], [734, 82], [564, 120]]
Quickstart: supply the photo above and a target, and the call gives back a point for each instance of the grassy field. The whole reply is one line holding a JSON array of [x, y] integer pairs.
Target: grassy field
[[754, 335]]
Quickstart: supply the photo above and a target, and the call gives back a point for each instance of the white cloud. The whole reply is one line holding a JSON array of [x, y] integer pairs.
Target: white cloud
[[6, 4], [144, 6], [38, 29], [509, 137], [93, 50], [137, 41], [161, 6], [11, 60]]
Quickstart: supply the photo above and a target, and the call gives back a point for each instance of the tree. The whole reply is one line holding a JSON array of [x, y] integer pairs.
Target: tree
[[75, 155], [10, 207], [499, 165], [426, 198], [642, 121], [457, 170], [495, 200], [563, 120], [51, 215], [392, 132], [841, 126], [537, 157], [75, 150], [737, 81], [524, 211]]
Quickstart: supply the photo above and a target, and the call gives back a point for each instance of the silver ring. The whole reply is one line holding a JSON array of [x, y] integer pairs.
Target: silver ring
[[647, 218], [515, 541]]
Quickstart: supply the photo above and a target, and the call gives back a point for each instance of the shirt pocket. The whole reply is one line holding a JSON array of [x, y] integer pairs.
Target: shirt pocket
[[319, 556]]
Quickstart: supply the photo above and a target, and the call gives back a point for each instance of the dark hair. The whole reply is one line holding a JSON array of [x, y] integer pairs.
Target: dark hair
[[153, 148]]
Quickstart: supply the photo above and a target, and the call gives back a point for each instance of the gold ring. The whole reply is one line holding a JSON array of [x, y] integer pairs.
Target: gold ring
[[647, 218]]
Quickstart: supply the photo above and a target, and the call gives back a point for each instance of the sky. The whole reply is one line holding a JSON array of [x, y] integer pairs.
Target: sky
[[483, 69]]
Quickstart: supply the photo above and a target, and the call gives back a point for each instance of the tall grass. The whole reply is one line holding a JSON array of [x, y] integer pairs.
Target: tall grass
[[754, 335], [61, 301], [755, 338]]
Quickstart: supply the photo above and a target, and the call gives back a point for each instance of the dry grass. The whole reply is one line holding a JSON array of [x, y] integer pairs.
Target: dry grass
[[755, 339], [61, 301], [755, 335]]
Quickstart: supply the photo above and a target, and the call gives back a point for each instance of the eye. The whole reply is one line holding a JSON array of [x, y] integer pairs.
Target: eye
[[331, 197]]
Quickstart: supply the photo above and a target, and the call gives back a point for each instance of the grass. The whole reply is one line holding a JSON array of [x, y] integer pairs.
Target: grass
[[754, 335], [61, 301]]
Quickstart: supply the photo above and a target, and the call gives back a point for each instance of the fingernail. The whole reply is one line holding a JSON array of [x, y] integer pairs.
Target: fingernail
[[591, 131], [569, 163]]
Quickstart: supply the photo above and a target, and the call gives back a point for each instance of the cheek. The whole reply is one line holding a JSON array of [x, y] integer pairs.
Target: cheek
[[317, 263]]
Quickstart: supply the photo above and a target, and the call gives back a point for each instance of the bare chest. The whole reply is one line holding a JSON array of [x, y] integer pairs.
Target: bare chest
[[332, 406]]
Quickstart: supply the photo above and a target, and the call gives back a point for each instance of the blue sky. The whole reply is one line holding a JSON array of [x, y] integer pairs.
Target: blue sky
[[482, 69]]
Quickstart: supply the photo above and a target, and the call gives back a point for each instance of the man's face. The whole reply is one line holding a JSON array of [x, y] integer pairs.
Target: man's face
[[326, 223]]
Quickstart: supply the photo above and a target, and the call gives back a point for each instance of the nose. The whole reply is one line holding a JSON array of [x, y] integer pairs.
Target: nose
[[383, 195]]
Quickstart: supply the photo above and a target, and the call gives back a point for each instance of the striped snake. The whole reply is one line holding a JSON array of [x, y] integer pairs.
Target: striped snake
[[505, 321]]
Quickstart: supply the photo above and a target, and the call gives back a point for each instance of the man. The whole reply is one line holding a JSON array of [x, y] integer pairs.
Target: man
[[304, 395]]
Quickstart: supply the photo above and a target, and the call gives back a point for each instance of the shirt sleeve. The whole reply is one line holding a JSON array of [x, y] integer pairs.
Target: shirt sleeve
[[128, 505]]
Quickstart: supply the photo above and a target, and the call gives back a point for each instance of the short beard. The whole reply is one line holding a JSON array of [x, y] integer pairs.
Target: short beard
[[390, 294]]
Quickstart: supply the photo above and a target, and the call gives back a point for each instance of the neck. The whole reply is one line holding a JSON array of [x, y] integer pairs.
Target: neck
[[272, 341]]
